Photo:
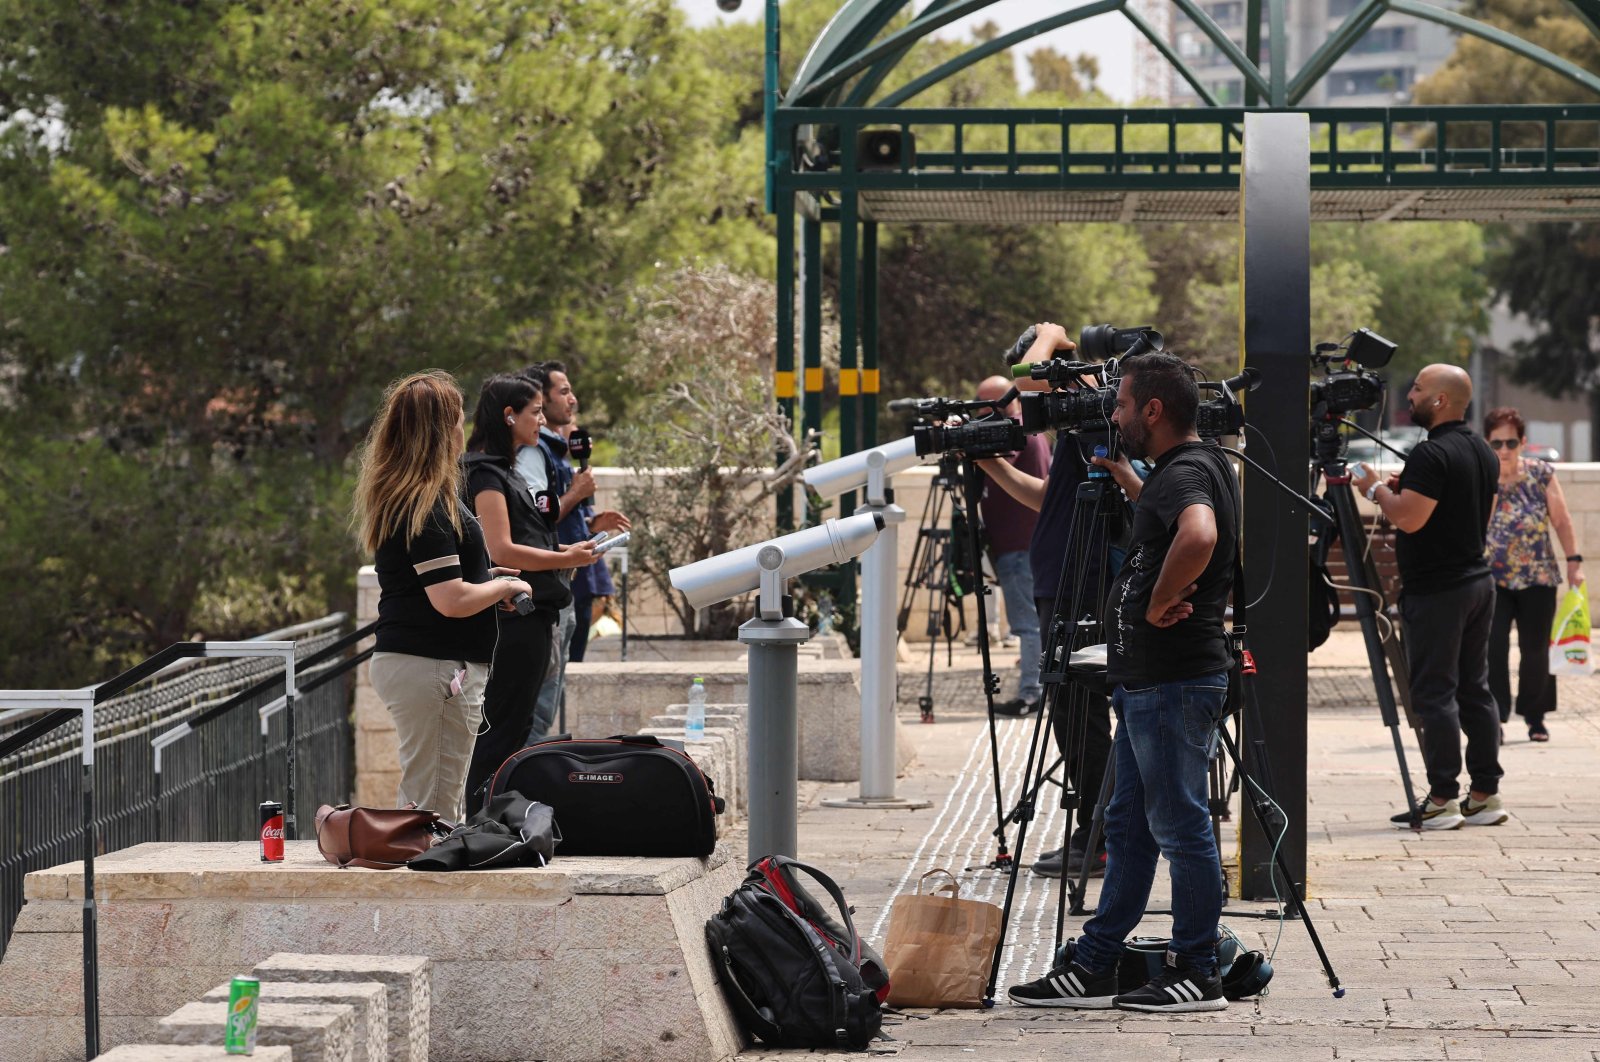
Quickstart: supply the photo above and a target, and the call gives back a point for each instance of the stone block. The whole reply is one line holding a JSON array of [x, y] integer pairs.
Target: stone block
[[376, 789], [407, 982], [315, 1032], [190, 1053], [40, 1037], [616, 698], [369, 998], [42, 974]]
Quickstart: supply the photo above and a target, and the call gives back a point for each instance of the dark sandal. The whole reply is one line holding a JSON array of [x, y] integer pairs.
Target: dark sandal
[[1538, 733]]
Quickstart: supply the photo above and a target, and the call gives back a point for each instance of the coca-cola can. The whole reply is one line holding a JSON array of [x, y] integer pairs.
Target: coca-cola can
[[271, 831]]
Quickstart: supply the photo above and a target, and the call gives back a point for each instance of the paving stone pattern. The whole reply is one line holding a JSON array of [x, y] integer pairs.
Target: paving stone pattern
[[1480, 943]]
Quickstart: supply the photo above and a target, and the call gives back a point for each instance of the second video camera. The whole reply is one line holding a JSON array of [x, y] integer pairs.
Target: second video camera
[[995, 437]]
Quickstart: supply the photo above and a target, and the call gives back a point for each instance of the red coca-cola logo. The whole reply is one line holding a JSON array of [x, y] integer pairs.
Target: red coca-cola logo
[[272, 840]]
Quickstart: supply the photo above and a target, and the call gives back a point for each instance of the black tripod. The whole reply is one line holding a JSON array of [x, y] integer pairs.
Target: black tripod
[[942, 564], [1362, 573], [1074, 625]]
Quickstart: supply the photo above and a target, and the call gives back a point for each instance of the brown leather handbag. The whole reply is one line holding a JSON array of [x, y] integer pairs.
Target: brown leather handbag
[[376, 838]]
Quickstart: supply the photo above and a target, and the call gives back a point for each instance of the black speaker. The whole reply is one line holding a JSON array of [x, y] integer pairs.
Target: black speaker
[[885, 149]]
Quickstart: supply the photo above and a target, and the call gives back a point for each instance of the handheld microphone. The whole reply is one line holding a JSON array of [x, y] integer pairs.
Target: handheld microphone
[[580, 444]]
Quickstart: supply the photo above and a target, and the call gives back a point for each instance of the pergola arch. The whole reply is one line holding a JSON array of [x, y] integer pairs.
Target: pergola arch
[[847, 46]]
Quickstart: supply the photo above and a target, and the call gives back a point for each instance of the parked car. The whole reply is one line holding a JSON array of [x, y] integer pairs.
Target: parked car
[[1538, 452], [1368, 452]]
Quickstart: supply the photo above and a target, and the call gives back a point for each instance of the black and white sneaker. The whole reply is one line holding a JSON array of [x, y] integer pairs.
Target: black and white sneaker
[[1068, 986], [1176, 990]]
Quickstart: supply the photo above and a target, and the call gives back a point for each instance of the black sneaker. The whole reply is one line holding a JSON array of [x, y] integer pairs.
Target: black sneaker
[[1097, 865], [1175, 990], [1049, 864], [1016, 707], [1446, 816], [1068, 986]]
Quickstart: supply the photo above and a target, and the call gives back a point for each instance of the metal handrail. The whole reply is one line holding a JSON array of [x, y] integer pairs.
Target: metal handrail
[[81, 703]]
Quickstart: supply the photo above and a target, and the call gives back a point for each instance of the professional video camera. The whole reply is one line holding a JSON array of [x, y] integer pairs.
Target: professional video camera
[[990, 436], [1223, 415], [1344, 389]]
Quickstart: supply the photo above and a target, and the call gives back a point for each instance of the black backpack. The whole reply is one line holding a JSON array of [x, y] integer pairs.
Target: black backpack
[[794, 975], [630, 796]]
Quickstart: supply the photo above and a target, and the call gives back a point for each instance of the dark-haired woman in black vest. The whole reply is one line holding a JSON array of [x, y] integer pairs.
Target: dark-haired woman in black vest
[[509, 415]]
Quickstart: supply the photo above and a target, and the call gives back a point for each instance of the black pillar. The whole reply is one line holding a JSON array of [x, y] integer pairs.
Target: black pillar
[[1276, 224]]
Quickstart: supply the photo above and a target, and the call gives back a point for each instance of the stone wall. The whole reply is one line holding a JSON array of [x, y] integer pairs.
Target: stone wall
[[589, 958]]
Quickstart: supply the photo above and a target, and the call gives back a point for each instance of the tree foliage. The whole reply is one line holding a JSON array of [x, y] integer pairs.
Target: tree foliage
[[1550, 271], [704, 343], [225, 226]]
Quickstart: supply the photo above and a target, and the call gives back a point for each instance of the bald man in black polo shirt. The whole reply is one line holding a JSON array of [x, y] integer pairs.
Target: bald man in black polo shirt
[[1441, 505]]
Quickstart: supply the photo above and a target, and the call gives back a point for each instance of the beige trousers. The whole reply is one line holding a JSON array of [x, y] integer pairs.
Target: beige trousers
[[435, 727]]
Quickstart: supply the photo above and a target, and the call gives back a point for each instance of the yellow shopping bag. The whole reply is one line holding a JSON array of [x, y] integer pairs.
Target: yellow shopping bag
[[1570, 652]]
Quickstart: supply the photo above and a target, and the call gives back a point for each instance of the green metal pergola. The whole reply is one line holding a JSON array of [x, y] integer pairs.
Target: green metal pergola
[[833, 158]]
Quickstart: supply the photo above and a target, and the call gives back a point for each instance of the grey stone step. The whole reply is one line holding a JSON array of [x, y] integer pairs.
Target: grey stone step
[[369, 998], [189, 1053], [407, 979], [318, 1032]]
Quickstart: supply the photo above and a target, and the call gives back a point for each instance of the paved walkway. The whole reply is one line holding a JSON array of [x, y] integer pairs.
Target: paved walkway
[[1472, 944]]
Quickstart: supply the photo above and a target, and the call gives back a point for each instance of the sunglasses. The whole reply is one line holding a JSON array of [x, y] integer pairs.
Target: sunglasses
[[1505, 444]]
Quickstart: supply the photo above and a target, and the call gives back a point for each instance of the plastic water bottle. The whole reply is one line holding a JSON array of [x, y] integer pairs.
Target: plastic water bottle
[[694, 728], [1098, 471]]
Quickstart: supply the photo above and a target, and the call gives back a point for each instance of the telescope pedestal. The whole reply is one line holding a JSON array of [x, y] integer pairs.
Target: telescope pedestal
[[879, 590], [774, 735]]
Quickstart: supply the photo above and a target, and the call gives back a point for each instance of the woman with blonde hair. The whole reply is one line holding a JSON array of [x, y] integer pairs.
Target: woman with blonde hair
[[437, 592]]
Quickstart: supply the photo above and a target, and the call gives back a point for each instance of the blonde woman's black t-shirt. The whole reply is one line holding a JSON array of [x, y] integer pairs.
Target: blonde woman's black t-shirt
[[407, 620]]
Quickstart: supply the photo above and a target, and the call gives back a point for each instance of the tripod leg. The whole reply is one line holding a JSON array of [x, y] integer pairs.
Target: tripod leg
[[1355, 542], [1097, 832], [1259, 804]]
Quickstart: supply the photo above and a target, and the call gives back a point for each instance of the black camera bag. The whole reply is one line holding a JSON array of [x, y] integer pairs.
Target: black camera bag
[[795, 976], [618, 796]]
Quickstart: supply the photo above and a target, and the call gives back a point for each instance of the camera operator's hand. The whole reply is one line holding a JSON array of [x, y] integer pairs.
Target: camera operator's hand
[[1167, 613], [611, 521], [1122, 473], [1055, 335], [578, 554]]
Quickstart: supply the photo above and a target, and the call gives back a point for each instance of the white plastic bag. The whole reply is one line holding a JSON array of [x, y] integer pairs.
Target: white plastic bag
[[1570, 650]]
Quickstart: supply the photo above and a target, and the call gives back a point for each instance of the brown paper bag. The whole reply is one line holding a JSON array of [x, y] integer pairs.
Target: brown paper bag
[[940, 947]]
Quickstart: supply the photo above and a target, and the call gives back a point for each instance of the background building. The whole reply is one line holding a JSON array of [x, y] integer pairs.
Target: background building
[[1396, 53]]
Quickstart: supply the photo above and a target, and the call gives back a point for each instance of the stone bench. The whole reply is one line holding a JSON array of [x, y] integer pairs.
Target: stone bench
[[324, 1032], [620, 698], [589, 958], [368, 998], [406, 979], [191, 1053]]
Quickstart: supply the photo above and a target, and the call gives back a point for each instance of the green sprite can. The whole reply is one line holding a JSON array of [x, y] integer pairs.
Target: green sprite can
[[244, 998]]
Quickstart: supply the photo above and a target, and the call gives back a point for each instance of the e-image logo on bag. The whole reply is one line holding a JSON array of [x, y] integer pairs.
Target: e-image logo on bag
[[607, 777]]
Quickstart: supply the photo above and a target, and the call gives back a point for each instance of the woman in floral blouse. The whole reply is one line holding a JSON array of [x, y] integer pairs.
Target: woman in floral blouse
[[1527, 574]]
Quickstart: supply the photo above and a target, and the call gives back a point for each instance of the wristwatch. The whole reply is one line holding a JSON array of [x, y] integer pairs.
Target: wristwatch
[[1576, 558], [1372, 492]]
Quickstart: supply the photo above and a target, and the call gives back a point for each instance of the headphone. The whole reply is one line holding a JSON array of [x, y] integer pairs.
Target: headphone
[[511, 420]]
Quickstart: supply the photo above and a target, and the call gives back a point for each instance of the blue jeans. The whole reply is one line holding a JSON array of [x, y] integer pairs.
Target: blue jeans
[[1015, 576], [1162, 754], [545, 710]]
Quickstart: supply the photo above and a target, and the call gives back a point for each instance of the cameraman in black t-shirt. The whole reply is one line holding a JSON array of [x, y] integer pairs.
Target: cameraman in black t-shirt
[[1441, 506], [1168, 660]]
